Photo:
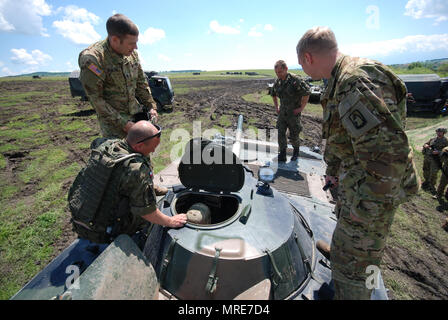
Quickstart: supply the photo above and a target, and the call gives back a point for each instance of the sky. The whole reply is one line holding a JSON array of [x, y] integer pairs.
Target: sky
[[47, 35]]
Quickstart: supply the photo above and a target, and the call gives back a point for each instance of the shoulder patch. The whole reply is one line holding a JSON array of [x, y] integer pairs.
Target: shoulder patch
[[92, 67], [356, 116]]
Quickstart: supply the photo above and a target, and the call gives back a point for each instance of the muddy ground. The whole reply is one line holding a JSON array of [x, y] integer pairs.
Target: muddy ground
[[425, 276]]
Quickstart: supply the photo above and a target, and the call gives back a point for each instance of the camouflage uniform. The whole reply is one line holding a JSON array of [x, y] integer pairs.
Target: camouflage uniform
[[367, 149], [290, 91], [431, 163], [135, 183], [113, 83], [443, 178]]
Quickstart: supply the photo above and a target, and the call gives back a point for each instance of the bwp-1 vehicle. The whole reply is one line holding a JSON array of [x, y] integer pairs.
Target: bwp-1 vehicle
[[256, 238], [161, 88], [426, 92]]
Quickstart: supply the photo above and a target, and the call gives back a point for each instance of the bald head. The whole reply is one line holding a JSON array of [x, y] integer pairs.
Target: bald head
[[140, 131]]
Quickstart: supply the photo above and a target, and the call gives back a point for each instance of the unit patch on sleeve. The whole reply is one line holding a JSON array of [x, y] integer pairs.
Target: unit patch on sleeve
[[356, 116]]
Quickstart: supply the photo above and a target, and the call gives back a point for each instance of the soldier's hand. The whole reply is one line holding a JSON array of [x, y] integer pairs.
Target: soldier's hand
[[154, 115], [178, 220]]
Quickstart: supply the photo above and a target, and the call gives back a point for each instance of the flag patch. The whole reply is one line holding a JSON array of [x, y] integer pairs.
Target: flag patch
[[95, 69]]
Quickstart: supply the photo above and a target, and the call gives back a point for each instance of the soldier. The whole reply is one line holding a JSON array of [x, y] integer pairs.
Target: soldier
[[114, 81], [294, 94], [444, 177], [431, 162], [128, 200], [364, 112]]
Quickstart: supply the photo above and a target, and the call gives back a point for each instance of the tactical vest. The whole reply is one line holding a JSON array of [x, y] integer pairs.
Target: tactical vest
[[97, 215]]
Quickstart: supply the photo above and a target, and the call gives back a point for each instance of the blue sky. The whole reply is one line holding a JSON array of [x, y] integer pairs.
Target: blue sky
[[47, 35]]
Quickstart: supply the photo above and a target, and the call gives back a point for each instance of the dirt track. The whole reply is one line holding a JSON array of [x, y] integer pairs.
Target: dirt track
[[425, 276]]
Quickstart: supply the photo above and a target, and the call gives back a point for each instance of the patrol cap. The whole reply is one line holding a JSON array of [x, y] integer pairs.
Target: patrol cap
[[441, 130]]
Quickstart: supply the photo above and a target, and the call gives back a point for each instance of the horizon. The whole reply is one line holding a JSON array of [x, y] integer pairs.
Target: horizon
[[214, 36], [201, 70]]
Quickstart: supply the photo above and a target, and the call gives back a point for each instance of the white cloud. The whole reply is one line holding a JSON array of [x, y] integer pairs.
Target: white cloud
[[35, 58], [417, 43], [254, 33], [268, 27], [7, 72], [431, 9], [151, 35], [76, 25], [163, 57], [23, 16], [217, 28]]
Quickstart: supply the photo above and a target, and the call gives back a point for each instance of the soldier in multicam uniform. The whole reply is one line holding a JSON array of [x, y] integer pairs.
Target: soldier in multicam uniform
[[431, 162], [294, 94], [114, 81], [364, 112], [130, 187]]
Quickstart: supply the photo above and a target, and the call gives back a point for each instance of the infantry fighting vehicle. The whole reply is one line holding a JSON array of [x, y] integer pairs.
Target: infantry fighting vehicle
[[256, 238], [426, 92], [161, 88]]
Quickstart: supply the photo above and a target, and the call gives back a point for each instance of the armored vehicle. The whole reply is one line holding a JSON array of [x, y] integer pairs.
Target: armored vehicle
[[255, 239], [426, 92], [161, 88]]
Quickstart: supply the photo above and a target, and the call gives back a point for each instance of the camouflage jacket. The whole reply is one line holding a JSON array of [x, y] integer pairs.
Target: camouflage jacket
[[136, 180], [364, 113], [290, 91], [435, 144], [444, 158], [113, 83]]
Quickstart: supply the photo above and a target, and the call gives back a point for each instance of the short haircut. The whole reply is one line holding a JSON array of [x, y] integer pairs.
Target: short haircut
[[119, 25], [317, 40], [280, 64]]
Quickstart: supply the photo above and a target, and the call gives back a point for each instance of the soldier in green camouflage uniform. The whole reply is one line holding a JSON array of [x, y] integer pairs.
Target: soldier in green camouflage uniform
[[431, 161], [444, 177], [364, 113], [129, 192], [294, 94], [113, 78]]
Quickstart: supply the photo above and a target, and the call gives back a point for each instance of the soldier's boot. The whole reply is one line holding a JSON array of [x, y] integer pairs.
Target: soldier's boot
[[282, 156], [159, 190], [323, 248], [295, 154], [432, 190]]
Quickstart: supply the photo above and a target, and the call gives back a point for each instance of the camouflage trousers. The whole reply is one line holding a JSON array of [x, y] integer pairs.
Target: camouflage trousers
[[358, 241], [109, 131], [292, 123], [430, 170], [442, 184]]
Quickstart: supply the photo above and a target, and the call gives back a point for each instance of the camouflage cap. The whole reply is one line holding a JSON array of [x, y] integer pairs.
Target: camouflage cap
[[441, 130]]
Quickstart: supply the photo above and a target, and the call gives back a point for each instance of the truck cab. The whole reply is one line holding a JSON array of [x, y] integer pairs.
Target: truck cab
[[426, 92]]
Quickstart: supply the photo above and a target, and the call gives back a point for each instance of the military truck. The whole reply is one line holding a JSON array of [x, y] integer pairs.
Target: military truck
[[161, 88], [426, 92]]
